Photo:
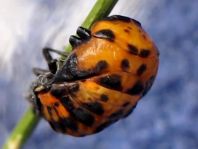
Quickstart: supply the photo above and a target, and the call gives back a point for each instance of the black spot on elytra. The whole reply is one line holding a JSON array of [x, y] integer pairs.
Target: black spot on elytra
[[49, 110], [102, 126], [105, 34], [104, 98], [140, 31], [63, 124], [111, 81], [67, 103], [80, 114], [125, 104], [101, 65], [116, 115], [144, 36], [83, 116], [141, 69], [122, 18], [57, 126], [125, 64], [56, 111], [94, 107], [136, 89], [144, 53], [58, 91], [149, 83], [132, 49], [68, 123], [126, 31], [129, 27], [56, 104]]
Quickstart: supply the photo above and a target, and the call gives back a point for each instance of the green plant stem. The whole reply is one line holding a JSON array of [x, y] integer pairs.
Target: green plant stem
[[29, 121], [22, 131]]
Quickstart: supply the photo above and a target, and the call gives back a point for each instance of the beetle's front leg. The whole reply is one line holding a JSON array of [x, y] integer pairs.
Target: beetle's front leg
[[84, 35], [52, 63]]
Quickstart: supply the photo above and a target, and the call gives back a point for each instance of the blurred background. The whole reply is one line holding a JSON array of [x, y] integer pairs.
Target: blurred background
[[166, 118]]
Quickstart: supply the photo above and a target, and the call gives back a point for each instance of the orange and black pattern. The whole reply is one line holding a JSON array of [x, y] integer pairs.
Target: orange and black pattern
[[103, 78]]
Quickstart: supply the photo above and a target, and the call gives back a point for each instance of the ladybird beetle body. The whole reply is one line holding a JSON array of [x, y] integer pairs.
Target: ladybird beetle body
[[110, 68]]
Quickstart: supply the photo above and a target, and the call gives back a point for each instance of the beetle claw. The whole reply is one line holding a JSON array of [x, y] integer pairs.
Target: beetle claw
[[83, 33], [75, 41]]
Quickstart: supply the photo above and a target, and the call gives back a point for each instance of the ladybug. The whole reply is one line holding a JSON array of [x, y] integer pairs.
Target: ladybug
[[110, 68]]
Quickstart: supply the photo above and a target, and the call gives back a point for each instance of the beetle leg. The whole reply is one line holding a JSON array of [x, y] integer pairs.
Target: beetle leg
[[75, 41], [83, 33], [63, 89], [52, 63], [39, 71]]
